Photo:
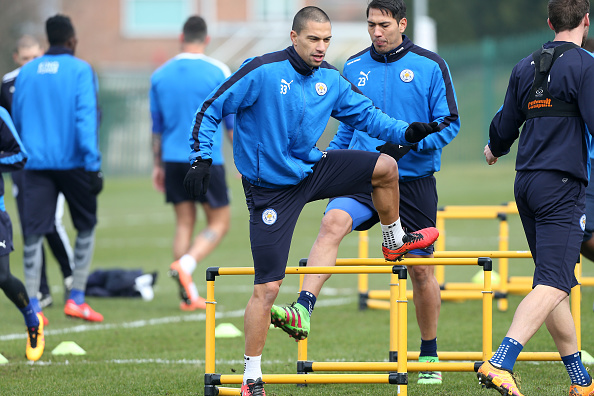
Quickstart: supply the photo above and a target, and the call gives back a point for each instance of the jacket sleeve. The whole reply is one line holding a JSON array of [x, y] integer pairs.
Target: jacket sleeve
[[505, 127], [240, 90], [12, 154], [357, 111], [444, 110], [343, 137], [155, 107], [87, 118]]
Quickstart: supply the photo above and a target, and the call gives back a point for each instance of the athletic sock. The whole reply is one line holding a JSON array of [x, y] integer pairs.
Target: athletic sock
[[428, 347], [392, 235], [193, 291], [251, 368], [576, 370], [188, 263], [34, 303], [78, 296], [30, 315], [507, 354], [308, 300]]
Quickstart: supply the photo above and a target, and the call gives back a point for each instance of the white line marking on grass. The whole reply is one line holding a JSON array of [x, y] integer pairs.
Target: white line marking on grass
[[158, 321]]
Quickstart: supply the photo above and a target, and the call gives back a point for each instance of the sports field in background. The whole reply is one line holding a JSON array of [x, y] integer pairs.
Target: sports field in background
[[152, 348]]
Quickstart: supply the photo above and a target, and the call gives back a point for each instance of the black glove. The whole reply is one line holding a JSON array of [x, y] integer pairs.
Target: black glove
[[417, 131], [197, 178], [395, 151], [95, 181]]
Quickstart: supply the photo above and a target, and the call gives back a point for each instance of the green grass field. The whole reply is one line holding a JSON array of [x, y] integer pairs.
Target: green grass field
[[153, 348]]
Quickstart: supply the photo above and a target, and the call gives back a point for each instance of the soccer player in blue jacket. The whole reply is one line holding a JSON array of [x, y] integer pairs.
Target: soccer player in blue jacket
[[27, 49], [283, 101], [177, 89], [551, 92], [55, 110], [13, 157], [408, 83]]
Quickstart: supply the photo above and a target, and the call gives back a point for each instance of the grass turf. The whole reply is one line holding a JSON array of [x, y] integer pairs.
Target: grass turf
[[154, 348]]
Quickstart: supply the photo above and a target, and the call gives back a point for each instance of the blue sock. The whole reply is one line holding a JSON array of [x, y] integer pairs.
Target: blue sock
[[78, 296], [576, 370], [428, 347], [507, 354], [34, 303], [30, 315], [308, 300]]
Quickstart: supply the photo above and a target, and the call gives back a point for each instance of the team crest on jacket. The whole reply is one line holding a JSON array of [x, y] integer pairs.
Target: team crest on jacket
[[583, 222], [321, 88], [269, 216], [407, 75]]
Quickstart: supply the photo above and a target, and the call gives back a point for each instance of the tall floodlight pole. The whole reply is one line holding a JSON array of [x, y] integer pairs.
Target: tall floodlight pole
[[425, 32]]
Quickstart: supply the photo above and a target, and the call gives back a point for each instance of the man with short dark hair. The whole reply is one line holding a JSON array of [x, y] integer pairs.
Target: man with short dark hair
[[55, 110], [283, 101], [177, 89], [551, 92], [391, 69], [27, 49]]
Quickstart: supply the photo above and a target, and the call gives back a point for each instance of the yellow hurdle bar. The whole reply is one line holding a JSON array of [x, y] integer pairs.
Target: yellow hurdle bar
[[391, 366], [385, 269], [312, 378], [478, 356], [408, 261]]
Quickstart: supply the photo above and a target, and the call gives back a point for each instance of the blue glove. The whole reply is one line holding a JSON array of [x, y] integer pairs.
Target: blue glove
[[417, 131], [197, 178]]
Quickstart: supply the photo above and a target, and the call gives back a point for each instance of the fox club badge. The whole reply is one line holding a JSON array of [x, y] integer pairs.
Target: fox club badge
[[583, 222], [321, 88], [269, 216], [407, 75]]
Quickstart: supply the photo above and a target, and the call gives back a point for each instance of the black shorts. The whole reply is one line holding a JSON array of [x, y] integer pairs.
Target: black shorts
[[418, 208], [40, 195], [6, 245], [216, 195], [274, 212], [552, 209]]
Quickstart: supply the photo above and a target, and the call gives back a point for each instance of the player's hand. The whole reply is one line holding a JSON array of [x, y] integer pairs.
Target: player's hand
[[417, 131], [95, 181], [197, 178], [159, 179], [491, 159], [395, 151]]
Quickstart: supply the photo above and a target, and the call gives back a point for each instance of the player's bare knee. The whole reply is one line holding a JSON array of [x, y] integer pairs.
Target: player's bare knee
[[266, 293], [421, 274], [385, 171], [335, 225]]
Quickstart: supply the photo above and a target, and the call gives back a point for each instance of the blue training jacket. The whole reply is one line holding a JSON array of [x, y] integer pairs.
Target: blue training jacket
[[178, 88], [412, 84], [12, 153], [549, 143], [282, 107], [55, 110]]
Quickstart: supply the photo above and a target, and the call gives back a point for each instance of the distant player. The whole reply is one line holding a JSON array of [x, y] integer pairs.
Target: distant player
[[13, 157], [178, 88], [551, 93], [27, 49], [55, 110]]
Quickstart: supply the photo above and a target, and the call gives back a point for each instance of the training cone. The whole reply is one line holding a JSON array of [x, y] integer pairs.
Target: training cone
[[479, 278], [3, 360], [587, 358], [68, 348], [227, 330]]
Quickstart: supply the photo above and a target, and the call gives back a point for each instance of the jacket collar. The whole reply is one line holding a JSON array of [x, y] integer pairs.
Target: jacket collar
[[393, 55], [298, 64], [59, 50]]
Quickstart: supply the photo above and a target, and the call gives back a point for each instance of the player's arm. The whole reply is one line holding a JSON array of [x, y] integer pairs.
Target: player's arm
[[343, 137], [356, 110], [12, 154], [586, 97], [158, 175], [87, 118], [443, 109], [505, 127]]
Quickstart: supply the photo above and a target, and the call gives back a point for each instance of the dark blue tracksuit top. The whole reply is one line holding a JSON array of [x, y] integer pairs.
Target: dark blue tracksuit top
[[549, 143]]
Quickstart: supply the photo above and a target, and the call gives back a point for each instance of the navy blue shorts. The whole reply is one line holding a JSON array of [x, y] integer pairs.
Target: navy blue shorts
[[216, 195], [418, 208], [552, 209], [589, 206], [6, 245], [274, 212], [40, 195]]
